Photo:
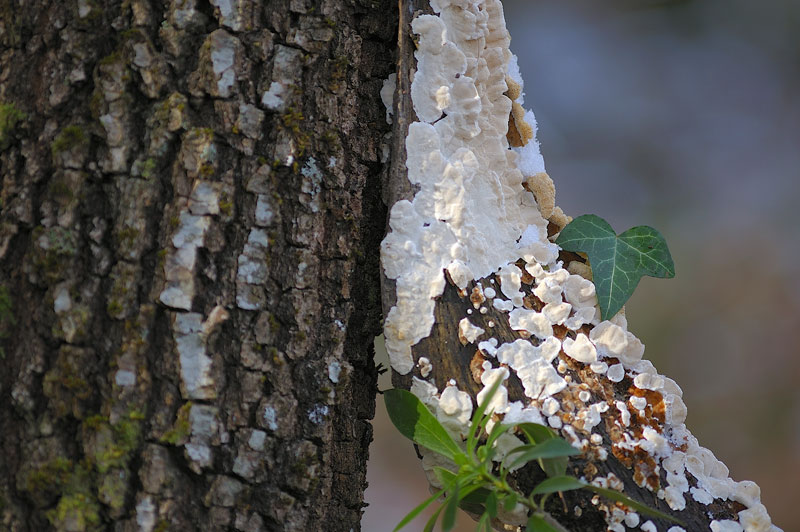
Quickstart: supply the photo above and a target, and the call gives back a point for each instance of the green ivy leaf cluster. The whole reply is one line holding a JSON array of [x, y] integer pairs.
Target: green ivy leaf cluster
[[618, 262], [480, 485]]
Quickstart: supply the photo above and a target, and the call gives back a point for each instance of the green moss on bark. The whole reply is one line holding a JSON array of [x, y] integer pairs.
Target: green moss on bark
[[10, 117]]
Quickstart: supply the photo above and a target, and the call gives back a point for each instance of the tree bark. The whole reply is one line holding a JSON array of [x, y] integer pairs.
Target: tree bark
[[191, 208], [445, 357]]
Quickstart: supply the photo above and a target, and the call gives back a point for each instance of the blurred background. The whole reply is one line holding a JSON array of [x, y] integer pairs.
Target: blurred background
[[684, 116]]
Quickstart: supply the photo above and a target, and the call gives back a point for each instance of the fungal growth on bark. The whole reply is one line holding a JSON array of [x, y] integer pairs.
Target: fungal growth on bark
[[481, 292]]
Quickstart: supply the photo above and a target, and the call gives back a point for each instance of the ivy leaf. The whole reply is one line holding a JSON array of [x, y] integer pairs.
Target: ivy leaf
[[618, 262], [415, 422]]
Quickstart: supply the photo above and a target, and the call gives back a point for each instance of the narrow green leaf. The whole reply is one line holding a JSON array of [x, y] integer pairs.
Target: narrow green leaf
[[478, 420], [416, 511], [542, 523], [432, 519], [446, 477], [555, 484], [415, 422], [471, 488], [477, 497], [491, 505], [638, 506], [461, 460], [498, 430], [510, 501], [460, 493], [482, 453], [553, 467], [553, 448], [618, 262], [450, 509], [485, 523], [536, 433]]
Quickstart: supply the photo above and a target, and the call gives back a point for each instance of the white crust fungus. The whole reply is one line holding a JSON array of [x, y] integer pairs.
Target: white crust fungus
[[472, 216], [467, 332], [726, 526], [613, 341], [536, 323], [581, 349], [499, 401], [539, 378], [425, 367]]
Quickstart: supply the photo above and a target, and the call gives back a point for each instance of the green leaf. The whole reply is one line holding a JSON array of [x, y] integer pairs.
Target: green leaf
[[450, 509], [510, 501], [416, 511], [553, 448], [482, 453], [639, 507], [461, 492], [477, 497], [537, 433], [618, 262], [491, 505], [415, 422], [538, 523], [478, 420], [496, 432], [562, 483], [485, 523], [432, 520], [553, 467], [445, 476]]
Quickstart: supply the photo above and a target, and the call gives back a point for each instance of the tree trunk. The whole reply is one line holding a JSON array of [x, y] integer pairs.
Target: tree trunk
[[190, 217], [470, 257]]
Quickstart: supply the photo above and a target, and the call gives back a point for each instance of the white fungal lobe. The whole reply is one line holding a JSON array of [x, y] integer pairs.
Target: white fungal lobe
[[613, 341], [726, 526], [425, 366], [531, 321], [532, 367], [467, 332], [472, 223], [581, 349], [471, 209]]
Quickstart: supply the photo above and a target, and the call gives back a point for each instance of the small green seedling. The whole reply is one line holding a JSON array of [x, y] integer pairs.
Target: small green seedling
[[618, 262], [479, 484]]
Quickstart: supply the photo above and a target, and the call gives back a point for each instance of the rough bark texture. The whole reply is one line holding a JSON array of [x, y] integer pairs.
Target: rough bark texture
[[189, 286]]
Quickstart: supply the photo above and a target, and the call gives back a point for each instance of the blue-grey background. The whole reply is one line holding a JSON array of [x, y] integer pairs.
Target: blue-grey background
[[684, 116]]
